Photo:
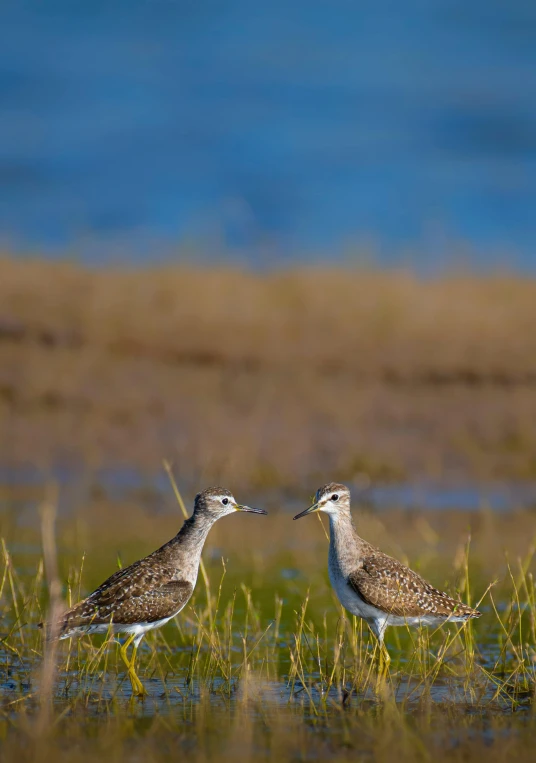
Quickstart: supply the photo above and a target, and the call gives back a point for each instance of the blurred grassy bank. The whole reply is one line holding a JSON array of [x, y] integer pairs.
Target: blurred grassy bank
[[268, 379]]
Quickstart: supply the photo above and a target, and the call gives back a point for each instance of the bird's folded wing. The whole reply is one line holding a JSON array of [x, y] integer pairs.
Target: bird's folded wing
[[152, 605], [132, 581], [130, 595], [393, 588]]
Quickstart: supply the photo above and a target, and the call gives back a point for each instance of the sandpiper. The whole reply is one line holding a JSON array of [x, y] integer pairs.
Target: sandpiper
[[150, 592], [374, 586]]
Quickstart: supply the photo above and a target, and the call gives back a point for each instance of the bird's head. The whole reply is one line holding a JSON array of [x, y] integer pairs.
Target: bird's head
[[332, 498], [216, 502]]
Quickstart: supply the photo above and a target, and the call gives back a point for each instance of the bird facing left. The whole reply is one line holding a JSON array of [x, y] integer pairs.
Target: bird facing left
[[150, 592]]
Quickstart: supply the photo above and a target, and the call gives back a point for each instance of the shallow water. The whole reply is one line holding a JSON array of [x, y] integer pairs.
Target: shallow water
[[20, 682]]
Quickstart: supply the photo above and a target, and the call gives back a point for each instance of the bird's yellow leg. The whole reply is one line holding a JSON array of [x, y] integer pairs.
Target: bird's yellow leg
[[138, 688], [383, 666], [385, 658], [123, 651]]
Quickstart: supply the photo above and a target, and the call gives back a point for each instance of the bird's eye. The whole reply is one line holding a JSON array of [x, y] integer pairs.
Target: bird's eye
[[335, 497], [225, 501]]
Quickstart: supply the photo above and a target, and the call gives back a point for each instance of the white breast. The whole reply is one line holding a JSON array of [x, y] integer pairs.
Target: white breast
[[349, 599]]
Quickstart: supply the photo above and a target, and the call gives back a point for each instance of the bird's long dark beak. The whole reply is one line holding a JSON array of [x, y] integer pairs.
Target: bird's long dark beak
[[310, 510], [240, 507]]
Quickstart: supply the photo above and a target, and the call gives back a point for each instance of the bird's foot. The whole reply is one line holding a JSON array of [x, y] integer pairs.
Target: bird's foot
[[138, 689]]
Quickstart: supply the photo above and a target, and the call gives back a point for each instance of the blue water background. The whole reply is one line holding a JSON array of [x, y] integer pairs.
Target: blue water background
[[400, 131]]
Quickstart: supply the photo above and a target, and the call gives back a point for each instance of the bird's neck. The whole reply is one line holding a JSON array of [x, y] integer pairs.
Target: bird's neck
[[184, 550], [345, 545], [193, 533]]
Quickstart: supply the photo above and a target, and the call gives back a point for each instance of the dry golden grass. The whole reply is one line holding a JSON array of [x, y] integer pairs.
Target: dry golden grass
[[270, 379]]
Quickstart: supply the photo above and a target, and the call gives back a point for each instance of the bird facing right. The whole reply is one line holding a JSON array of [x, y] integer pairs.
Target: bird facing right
[[148, 593], [372, 585]]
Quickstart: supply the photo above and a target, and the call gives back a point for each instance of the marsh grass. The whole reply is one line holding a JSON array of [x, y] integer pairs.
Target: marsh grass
[[266, 667]]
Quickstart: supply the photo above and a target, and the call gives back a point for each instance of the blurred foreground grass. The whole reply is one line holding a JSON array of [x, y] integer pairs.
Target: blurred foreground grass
[[263, 664], [268, 380]]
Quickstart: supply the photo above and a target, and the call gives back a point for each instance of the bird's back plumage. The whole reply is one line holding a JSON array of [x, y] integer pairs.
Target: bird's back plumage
[[393, 588]]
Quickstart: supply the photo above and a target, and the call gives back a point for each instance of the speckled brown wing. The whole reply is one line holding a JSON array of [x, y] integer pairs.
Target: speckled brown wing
[[393, 588], [144, 592], [151, 606]]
